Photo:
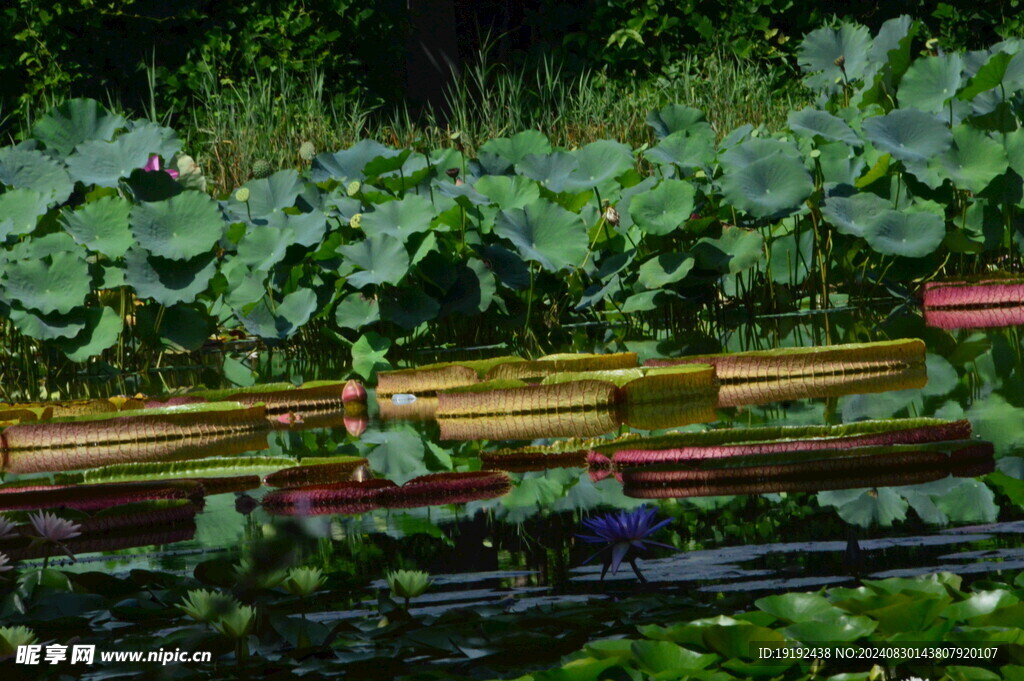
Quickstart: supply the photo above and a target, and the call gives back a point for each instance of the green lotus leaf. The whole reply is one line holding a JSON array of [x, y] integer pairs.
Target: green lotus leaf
[[597, 163], [309, 228], [908, 134], [369, 356], [268, 195], [409, 215], [465, 195], [43, 246], [974, 160], [1015, 150], [21, 208], [76, 121], [508, 192], [103, 328], [262, 247], [168, 281], [347, 164], [101, 226], [516, 148], [676, 118], [243, 286], [865, 507], [50, 326], [383, 259], [770, 187], [1002, 70], [182, 327], [510, 269], [409, 308], [182, 227], [546, 233], [104, 163], [931, 82], [31, 169], [840, 163], [664, 208], [790, 257], [683, 150], [839, 628], [283, 320], [388, 162], [736, 250], [912, 235], [812, 123], [471, 292], [740, 156], [852, 215], [820, 52], [356, 311], [162, 141], [626, 201], [665, 269], [58, 283], [551, 170]]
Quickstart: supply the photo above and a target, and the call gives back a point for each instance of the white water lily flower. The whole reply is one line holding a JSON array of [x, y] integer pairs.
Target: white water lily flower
[[5, 563], [7, 527], [54, 529]]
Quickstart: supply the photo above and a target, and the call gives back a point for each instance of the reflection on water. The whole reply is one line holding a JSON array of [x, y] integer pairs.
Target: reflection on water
[[739, 526]]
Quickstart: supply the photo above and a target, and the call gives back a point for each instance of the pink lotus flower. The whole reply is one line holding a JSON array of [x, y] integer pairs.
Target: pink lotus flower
[[289, 418], [353, 392], [153, 165]]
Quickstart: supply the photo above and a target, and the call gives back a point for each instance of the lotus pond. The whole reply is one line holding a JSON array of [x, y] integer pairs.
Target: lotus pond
[[278, 558]]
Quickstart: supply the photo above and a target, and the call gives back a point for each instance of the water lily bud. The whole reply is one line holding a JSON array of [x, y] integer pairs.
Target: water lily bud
[[353, 187], [242, 195], [356, 220], [408, 583], [353, 392]]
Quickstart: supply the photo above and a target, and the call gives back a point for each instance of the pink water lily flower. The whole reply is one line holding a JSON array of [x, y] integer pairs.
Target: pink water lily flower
[[153, 165]]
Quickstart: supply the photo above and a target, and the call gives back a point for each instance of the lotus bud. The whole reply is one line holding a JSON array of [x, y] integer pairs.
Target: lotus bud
[[353, 187], [356, 425], [356, 220], [611, 216], [840, 61], [242, 195], [353, 392], [307, 151]]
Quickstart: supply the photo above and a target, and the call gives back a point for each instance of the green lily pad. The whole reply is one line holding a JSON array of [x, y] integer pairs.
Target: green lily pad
[[508, 192], [356, 311], [908, 135], [284, 319], [180, 228], [383, 260], [546, 233], [738, 157], [665, 269], [912, 235], [840, 628], [799, 607], [821, 50], [520, 145], [864, 507], [812, 123], [103, 328], [931, 82], [168, 281], [400, 219], [1001, 69], [662, 209], [737, 250], [769, 187], [656, 657], [101, 226], [30, 169], [76, 121], [58, 283], [852, 215]]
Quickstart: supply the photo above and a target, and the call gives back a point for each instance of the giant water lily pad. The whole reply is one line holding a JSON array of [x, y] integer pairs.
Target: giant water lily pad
[[182, 227], [58, 283], [931, 82], [383, 260], [546, 233], [101, 226], [662, 209], [30, 169], [76, 121], [400, 219], [908, 135], [770, 187], [912, 235], [168, 281], [822, 51]]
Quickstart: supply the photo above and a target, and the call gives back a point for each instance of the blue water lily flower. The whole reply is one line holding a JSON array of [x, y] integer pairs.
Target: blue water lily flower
[[626, 534]]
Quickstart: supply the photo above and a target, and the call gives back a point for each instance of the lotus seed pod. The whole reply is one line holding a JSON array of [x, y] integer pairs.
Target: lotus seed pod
[[307, 151], [242, 194], [186, 164], [356, 220], [262, 169], [353, 187], [353, 392]]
